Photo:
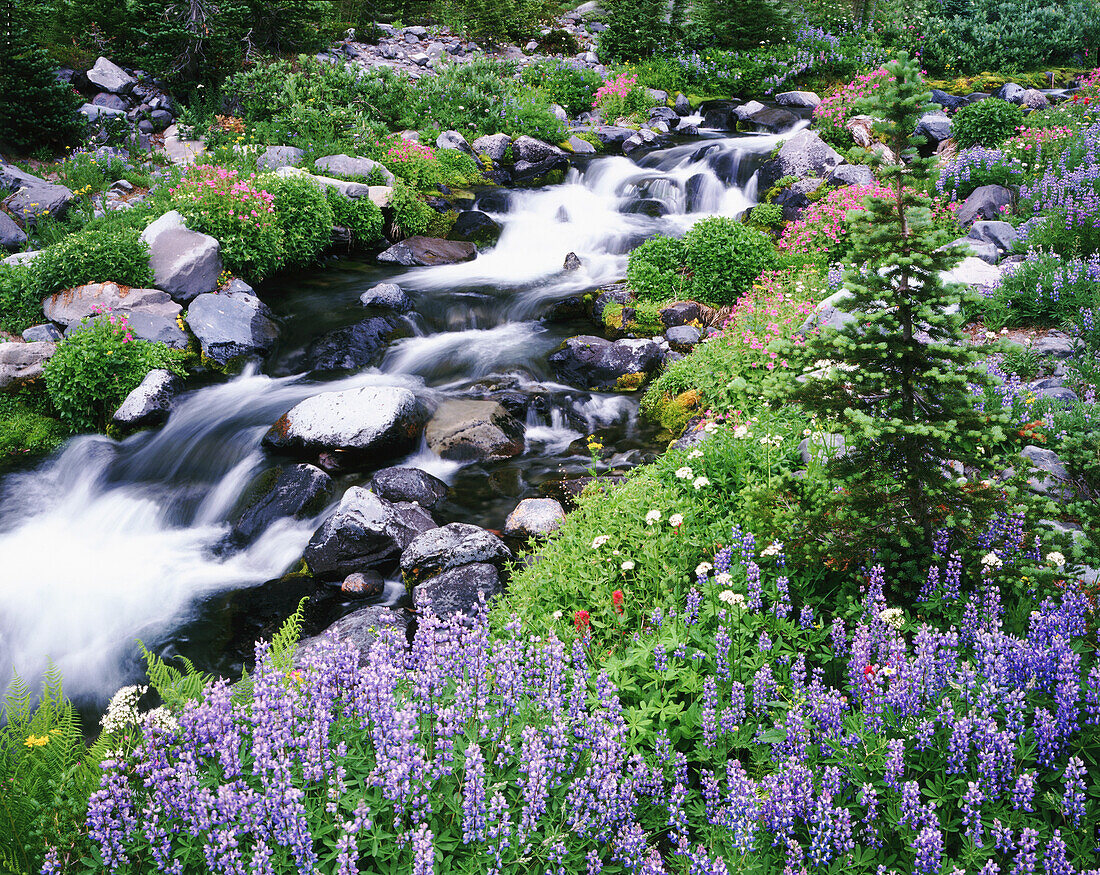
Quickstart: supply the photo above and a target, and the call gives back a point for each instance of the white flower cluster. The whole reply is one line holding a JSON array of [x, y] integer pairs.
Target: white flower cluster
[[122, 712], [894, 617], [992, 561], [1056, 559], [773, 549]]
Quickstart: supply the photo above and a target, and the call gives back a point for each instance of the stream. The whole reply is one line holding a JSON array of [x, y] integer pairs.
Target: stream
[[110, 542]]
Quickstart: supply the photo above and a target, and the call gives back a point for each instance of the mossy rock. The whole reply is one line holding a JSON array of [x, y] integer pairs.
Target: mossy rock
[[630, 382]]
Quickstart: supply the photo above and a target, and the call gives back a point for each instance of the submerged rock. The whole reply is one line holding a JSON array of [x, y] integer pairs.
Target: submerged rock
[[149, 403], [428, 251], [351, 348], [410, 485], [464, 430], [297, 491]]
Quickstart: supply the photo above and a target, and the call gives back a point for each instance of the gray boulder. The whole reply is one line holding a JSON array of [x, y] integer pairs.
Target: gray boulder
[[1034, 99], [593, 362], [794, 199], [365, 531], [948, 101], [534, 518], [361, 584], [1055, 344], [20, 363], [804, 154], [680, 313], [293, 491], [274, 157], [745, 111], [986, 202], [111, 77], [231, 327], [638, 140], [409, 485], [935, 127], [474, 226], [851, 174], [1011, 92], [581, 147], [529, 149], [36, 199], [492, 146], [973, 272], [804, 99], [428, 251], [1051, 475], [612, 137], [351, 348], [682, 105], [13, 179], [378, 422], [158, 328], [1000, 234], [451, 546], [987, 252], [464, 430], [359, 630], [682, 338], [185, 263], [345, 165], [37, 333], [11, 235], [458, 591], [70, 307], [774, 121], [150, 403], [453, 140], [824, 446], [110, 101], [96, 113], [388, 296]]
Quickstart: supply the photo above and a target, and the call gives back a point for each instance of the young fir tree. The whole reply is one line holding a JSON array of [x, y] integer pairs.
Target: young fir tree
[[900, 382]]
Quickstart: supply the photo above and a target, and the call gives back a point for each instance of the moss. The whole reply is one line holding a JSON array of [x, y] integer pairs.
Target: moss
[[630, 382], [26, 430]]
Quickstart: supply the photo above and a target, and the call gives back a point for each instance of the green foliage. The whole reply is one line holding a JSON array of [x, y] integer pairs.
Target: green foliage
[[47, 774], [93, 257], [725, 257], [26, 430], [766, 216], [635, 29], [413, 216], [1009, 34], [986, 123], [35, 109], [361, 216], [655, 269], [495, 20], [20, 303], [738, 24], [303, 214], [96, 367], [573, 88], [1041, 290], [176, 688]]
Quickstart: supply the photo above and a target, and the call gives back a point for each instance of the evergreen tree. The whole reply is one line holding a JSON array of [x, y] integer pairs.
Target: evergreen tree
[[635, 29], [738, 24], [899, 383]]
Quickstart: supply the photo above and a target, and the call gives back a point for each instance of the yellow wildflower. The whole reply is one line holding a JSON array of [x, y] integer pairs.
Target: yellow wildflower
[[36, 740]]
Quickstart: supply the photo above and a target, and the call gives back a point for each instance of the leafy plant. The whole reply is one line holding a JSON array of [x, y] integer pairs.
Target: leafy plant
[[986, 123], [635, 30], [303, 214], [92, 256], [655, 269], [573, 88], [20, 302], [725, 257], [413, 216], [361, 216], [1043, 290], [26, 429]]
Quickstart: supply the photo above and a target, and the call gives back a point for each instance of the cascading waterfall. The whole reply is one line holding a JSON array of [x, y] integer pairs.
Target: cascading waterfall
[[109, 541]]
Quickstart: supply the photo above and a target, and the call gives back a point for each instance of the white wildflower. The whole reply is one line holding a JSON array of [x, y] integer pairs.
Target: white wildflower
[[599, 541], [652, 517], [684, 473], [723, 578], [893, 617], [710, 427], [727, 596], [676, 520], [122, 712], [773, 549], [700, 482], [992, 560], [695, 454], [742, 431], [1056, 559], [703, 569], [628, 565]]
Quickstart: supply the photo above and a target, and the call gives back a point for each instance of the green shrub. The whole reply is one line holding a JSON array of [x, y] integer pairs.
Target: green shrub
[[635, 29], [495, 20], [304, 215], [26, 431], [20, 303], [361, 216], [724, 257], [766, 216], [737, 24], [97, 366], [571, 87], [986, 123], [412, 216], [1042, 290], [655, 269], [93, 257]]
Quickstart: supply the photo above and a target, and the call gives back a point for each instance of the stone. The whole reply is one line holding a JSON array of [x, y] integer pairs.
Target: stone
[[373, 422], [828, 314], [289, 492], [987, 252], [664, 114], [474, 226], [379, 194], [274, 157], [111, 77], [682, 338], [986, 202], [185, 263], [1052, 472], [860, 127], [38, 199], [851, 174], [1055, 345], [1060, 394], [362, 584], [345, 165], [572, 262], [534, 518], [805, 154], [21, 363], [538, 172], [110, 101], [38, 333], [680, 313], [231, 327], [804, 99], [357, 630], [612, 137], [948, 101], [607, 297], [460, 590], [12, 237], [387, 296], [428, 251], [161, 119], [593, 362], [935, 127], [351, 348], [158, 328], [465, 430], [21, 258], [365, 531], [581, 147], [72, 306], [1011, 92], [451, 546], [775, 121], [492, 146], [1000, 234], [682, 105], [1034, 99], [558, 112], [150, 403], [794, 199], [409, 485], [973, 272], [453, 140], [526, 148], [639, 140], [824, 446]]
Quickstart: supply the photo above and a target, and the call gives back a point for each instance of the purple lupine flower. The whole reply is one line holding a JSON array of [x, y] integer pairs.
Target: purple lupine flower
[[838, 637], [1055, 858], [1024, 864], [709, 715], [894, 765], [423, 846], [691, 607], [806, 617], [1023, 791], [752, 572], [473, 796], [971, 807], [928, 851], [1073, 796], [1002, 836]]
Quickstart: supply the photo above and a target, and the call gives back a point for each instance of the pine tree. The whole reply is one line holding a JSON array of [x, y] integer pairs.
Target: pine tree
[[900, 382]]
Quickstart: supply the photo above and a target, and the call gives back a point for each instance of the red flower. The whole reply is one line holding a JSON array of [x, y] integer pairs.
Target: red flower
[[617, 600], [868, 672], [582, 619]]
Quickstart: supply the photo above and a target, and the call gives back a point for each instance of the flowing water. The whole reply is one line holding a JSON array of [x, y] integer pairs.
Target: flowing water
[[111, 542]]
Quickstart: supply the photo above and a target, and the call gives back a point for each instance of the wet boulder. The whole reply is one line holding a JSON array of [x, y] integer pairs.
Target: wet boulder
[[428, 251], [612, 137], [231, 327], [683, 338], [409, 485], [293, 491], [803, 99], [358, 629], [72, 306], [592, 362], [719, 114], [458, 591], [805, 154], [363, 584], [150, 403], [375, 422], [451, 546], [529, 149], [682, 105], [990, 202], [386, 296], [21, 363], [351, 348], [185, 263], [534, 518], [531, 173], [474, 226], [464, 430], [365, 531], [772, 121]]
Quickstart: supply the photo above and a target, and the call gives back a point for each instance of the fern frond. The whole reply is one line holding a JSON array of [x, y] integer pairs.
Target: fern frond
[[174, 687], [285, 642], [17, 705]]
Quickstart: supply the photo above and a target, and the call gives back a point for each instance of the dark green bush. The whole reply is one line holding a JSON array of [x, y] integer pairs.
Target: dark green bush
[[20, 304], [359, 215], [986, 123], [304, 214], [571, 87], [26, 431], [655, 269], [495, 20], [413, 216], [93, 257], [635, 29], [725, 257], [737, 24]]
